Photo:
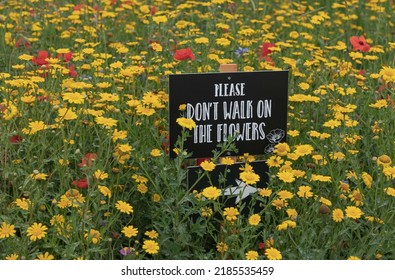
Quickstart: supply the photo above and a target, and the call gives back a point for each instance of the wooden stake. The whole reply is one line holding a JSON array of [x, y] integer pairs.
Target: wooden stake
[[225, 68], [228, 68]]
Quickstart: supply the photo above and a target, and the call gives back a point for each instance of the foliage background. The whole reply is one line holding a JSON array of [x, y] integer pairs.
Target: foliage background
[[84, 125]]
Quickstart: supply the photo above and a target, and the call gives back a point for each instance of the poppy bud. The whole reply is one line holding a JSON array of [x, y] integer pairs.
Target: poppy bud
[[324, 209]]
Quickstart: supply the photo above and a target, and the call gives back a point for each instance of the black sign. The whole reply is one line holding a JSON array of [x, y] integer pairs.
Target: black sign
[[250, 106], [233, 190]]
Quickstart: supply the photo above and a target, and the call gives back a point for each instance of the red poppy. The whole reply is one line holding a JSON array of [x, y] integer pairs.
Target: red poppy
[[22, 42], [15, 139], [359, 43], [41, 58], [183, 54], [115, 235], [42, 98], [96, 8], [78, 7], [90, 156], [72, 72], [200, 160], [126, 3], [66, 57], [265, 50], [88, 159], [153, 10], [82, 183], [261, 245], [232, 8], [165, 144]]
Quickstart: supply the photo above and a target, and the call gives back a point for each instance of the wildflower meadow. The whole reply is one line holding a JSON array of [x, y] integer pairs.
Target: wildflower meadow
[[85, 166]]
